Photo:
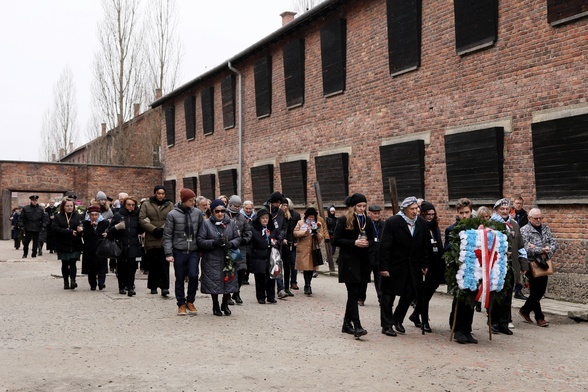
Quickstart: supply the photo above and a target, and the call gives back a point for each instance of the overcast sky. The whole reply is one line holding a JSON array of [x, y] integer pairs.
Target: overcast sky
[[39, 38]]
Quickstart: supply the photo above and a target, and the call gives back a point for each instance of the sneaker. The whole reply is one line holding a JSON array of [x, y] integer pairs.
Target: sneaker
[[191, 307], [282, 294], [511, 325], [182, 310]]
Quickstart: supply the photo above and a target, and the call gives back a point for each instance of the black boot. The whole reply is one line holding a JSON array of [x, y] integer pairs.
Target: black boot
[[237, 298], [73, 284], [358, 329], [225, 305], [215, 306], [347, 327], [66, 282]]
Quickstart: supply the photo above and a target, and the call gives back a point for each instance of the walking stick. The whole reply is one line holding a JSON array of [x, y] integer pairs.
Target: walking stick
[[454, 319], [489, 324], [423, 306]]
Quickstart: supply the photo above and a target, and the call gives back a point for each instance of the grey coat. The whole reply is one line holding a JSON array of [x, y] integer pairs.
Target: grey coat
[[176, 234], [213, 259], [244, 230]]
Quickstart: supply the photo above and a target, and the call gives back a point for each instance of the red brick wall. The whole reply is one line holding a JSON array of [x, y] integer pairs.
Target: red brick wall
[[532, 67]]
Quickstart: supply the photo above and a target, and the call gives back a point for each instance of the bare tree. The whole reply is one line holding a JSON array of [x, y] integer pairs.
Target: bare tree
[[301, 6], [59, 129], [118, 66]]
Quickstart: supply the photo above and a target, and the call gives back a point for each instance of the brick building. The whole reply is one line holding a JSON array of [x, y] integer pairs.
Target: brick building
[[454, 99]]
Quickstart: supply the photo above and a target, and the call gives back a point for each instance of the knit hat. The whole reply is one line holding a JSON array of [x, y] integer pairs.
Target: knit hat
[[275, 197], [408, 202], [100, 196], [235, 200], [427, 206], [158, 187], [186, 194], [215, 203], [502, 202], [354, 199], [310, 211], [261, 212], [93, 209]]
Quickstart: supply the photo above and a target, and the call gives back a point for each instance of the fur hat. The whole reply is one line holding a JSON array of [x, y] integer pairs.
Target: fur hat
[[186, 194], [311, 211]]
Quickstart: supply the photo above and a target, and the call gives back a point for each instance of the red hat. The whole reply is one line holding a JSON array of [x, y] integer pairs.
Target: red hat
[[93, 209], [186, 194]]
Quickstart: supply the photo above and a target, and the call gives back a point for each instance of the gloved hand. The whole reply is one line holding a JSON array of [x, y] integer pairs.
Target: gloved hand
[[219, 243], [229, 245], [243, 241], [120, 225], [157, 233]]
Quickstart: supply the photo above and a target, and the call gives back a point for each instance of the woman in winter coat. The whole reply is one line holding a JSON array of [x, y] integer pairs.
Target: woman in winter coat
[[353, 235], [309, 233], [67, 227], [263, 238], [125, 227], [244, 230], [216, 237], [288, 251], [95, 227]]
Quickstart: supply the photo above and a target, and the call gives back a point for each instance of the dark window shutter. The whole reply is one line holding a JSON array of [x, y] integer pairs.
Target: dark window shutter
[[262, 183], [208, 186], [170, 125], [333, 56], [561, 161], [294, 178], [263, 86], [474, 163], [191, 183], [190, 115], [227, 182], [170, 189], [228, 98], [332, 174], [562, 11], [294, 72], [404, 35], [476, 24], [406, 163], [207, 100]]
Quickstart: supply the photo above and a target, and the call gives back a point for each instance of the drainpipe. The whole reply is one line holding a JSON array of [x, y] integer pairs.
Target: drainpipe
[[240, 116]]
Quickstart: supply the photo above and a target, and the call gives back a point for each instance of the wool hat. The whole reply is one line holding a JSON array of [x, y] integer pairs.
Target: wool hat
[[34, 197], [235, 200], [374, 208], [93, 209], [332, 209], [427, 206], [186, 194], [215, 203], [261, 212], [158, 187], [311, 211], [355, 199], [100, 196], [408, 202], [275, 197], [502, 202]]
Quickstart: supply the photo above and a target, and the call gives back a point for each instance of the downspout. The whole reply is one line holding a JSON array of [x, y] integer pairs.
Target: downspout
[[240, 116]]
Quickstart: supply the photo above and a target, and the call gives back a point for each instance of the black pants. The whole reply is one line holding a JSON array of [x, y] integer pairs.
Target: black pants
[[69, 270], [404, 303], [426, 292], [386, 306], [377, 280], [307, 277], [537, 287], [125, 273], [265, 287], [34, 235], [353, 292], [158, 269], [464, 317], [501, 312]]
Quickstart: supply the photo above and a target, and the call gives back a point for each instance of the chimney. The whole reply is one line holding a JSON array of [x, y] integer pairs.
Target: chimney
[[61, 153], [103, 129], [52, 157], [70, 147], [287, 17], [136, 109], [157, 93]]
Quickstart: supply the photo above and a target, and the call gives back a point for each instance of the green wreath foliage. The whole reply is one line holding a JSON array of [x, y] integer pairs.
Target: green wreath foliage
[[452, 263]]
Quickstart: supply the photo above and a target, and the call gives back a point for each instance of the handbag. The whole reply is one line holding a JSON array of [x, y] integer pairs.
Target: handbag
[[235, 254], [276, 264], [537, 269], [109, 249], [317, 256]]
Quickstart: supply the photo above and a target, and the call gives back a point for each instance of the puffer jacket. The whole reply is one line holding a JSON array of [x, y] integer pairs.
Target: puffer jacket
[[151, 217], [129, 236], [244, 229], [177, 234], [213, 259]]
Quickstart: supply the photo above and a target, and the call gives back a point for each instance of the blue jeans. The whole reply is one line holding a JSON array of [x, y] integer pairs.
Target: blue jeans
[[186, 264]]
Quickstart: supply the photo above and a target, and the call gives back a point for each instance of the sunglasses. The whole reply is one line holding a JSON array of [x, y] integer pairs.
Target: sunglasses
[[219, 211]]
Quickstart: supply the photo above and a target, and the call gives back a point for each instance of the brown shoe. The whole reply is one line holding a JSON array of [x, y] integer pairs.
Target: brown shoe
[[191, 307], [182, 310], [294, 286], [526, 317], [542, 323]]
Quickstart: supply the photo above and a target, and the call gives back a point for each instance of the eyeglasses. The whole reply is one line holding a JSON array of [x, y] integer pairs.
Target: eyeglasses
[[219, 211]]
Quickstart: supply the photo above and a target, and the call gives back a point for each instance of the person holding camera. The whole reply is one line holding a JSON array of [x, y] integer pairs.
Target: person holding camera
[[310, 235], [540, 246]]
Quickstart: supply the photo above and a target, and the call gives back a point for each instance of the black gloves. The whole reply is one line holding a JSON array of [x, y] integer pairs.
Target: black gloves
[[243, 242], [158, 233], [219, 243]]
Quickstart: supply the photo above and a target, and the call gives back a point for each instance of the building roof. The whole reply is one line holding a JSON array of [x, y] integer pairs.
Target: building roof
[[320, 10]]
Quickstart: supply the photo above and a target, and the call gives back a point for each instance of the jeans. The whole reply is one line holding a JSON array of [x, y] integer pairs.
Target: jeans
[[186, 264]]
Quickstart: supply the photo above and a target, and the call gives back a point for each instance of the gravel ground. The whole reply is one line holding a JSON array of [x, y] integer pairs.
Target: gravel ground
[[62, 340]]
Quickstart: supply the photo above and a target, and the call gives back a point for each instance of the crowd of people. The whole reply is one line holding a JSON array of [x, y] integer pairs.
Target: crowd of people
[[216, 245]]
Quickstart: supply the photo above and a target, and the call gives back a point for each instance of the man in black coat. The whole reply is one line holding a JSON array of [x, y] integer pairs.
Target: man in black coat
[[403, 262], [32, 220]]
